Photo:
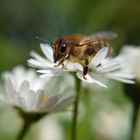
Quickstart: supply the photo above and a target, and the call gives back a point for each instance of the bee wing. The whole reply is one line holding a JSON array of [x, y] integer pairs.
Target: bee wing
[[98, 36]]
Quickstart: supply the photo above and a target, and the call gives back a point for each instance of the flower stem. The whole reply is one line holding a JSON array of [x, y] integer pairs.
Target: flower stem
[[75, 110], [23, 131], [132, 91], [28, 118], [135, 107]]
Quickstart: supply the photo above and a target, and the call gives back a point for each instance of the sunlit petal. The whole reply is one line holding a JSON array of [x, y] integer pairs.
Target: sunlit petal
[[89, 79], [109, 67], [47, 50], [100, 56], [74, 66], [38, 57]]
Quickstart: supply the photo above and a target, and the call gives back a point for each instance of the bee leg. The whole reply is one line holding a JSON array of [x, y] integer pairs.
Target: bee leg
[[60, 63], [85, 71]]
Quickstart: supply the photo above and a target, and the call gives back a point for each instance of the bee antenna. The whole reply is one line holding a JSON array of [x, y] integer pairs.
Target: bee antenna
[[44, 40]]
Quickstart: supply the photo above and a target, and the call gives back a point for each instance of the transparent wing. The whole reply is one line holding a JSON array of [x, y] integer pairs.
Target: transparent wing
[[98, 36]]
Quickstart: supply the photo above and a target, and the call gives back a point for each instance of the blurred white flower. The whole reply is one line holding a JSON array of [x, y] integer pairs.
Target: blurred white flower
[[68, 115], [99, 64], [26, 91], [50, 129], [132, 56], [111, 124]]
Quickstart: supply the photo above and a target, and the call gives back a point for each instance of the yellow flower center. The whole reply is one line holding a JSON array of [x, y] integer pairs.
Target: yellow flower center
[[45, 99]]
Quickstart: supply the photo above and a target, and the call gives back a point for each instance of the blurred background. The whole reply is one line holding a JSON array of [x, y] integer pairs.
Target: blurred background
[[109, 111]]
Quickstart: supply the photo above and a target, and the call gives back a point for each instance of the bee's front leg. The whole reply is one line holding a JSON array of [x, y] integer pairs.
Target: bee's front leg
[[85, 71], [60, 63]]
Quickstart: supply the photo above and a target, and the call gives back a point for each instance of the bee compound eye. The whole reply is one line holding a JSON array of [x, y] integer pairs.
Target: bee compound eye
[[63, 48]]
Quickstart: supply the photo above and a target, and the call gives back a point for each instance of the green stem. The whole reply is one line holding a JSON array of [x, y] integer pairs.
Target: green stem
[[23, 131], [75, 110], [135, 109], [132, 91], [29, 118], [88, 116]]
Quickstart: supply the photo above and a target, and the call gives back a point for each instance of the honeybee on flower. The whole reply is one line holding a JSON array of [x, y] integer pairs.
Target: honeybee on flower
[[80, 54]]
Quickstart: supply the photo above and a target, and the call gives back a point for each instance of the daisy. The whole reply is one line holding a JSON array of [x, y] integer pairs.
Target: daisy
[[132, 56], [27, 92], [111, 123], [108, 67], [50, 129]]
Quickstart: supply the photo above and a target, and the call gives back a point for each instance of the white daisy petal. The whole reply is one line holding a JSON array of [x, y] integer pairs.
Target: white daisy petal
[[50, 103], [109, 67], [38, 57], [74, 66], [127, 81], [99, 57], [22, 103], [24, 87], [123, 75], [40, 95], [47, 50], [38, 64], [50, 72], [89, 79], [64, 103], [30, 97], [9, 87], [46, 75], [34, 63], [44, 71]]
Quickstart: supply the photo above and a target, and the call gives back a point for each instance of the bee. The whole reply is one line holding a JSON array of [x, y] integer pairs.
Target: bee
[[78, 48]]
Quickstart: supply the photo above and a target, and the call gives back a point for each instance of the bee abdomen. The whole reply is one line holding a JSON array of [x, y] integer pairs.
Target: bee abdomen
[[97, 45], [104, 44]]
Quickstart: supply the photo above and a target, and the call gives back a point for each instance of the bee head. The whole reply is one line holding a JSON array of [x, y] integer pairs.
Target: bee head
[[60, 49]]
